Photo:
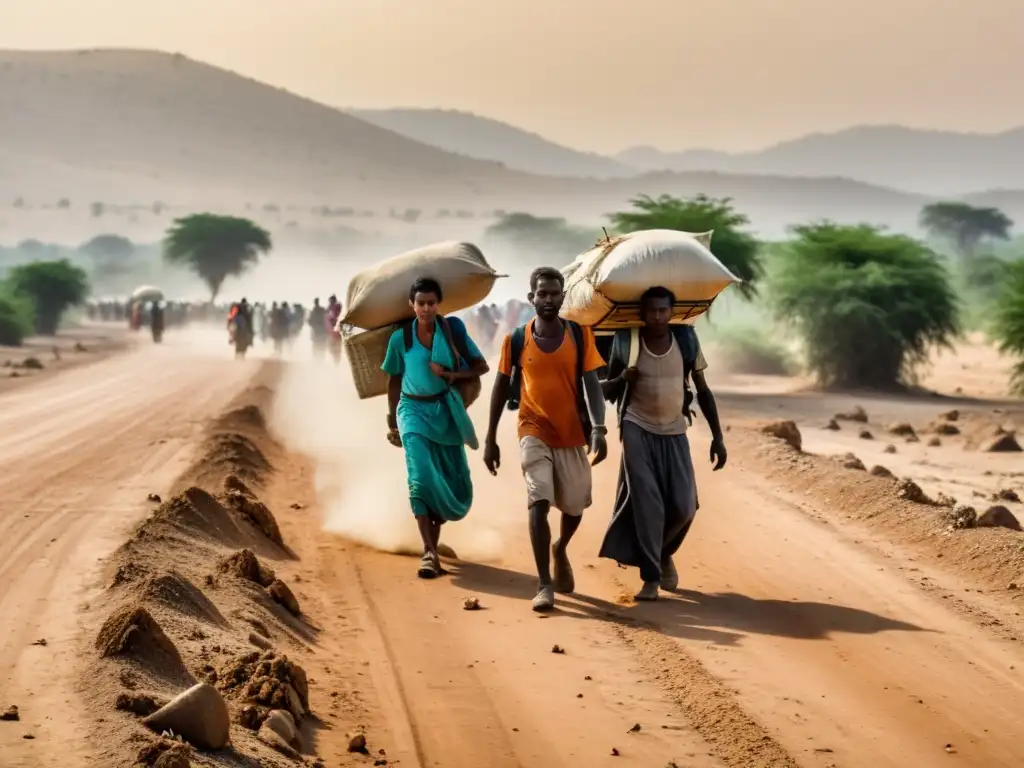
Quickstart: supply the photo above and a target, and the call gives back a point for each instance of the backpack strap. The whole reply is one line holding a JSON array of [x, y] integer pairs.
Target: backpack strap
[[453, 344], [407, 334], [634, 347], [517, 341], [581, 403]]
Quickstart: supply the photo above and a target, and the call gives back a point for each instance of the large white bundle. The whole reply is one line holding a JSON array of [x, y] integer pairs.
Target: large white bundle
[[603, 286], [379, 295]]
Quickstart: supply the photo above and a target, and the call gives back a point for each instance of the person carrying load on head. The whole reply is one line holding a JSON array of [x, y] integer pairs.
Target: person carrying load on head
[[546, 367], [432, 365], [656, 500]]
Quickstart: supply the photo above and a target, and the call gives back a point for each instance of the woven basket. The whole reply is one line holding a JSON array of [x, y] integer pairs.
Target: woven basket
[[365, 352]]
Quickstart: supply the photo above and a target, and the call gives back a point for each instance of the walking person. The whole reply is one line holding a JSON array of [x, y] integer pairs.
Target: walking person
[[546, 367], [427, 360], [656, 500]]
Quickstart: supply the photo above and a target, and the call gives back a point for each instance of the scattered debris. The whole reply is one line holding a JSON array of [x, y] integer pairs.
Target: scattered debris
[[865, 434], [635, 729], [557, 649], [471, 604], [155, 498], [890, 448], [615, 752], [41, 641], [10, 714]]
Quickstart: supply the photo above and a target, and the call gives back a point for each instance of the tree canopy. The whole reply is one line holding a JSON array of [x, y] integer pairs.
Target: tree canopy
[[1008, 326], [541, 236], [965, 226], [113, 247], [736, 248], [868, 305], [52, 286], [215, 247], [16, 317]]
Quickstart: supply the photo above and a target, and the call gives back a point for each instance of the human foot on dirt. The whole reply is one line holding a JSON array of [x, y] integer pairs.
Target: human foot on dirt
[[669, 576], [545, 599], [648, 592], [441, 570], [565, 581], [428, 566]]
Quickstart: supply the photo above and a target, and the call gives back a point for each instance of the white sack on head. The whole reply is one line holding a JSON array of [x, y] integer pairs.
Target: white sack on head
[[603, 286], [379, 295]]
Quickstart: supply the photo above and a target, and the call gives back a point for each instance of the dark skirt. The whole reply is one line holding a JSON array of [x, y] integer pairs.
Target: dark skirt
[[655, 503]]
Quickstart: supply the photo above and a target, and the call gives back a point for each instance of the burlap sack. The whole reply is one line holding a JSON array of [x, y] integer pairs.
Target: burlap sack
[[379, 295], [603, 286]]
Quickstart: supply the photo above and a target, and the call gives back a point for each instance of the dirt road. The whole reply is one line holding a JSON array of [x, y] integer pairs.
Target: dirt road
[[80, 452], [795, 642]]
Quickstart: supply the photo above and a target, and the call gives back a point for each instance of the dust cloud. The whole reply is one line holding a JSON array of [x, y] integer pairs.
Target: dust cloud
[[360, 477]]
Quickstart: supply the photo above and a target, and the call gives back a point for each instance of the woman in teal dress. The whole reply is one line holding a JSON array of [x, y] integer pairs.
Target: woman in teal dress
[[427, 416]]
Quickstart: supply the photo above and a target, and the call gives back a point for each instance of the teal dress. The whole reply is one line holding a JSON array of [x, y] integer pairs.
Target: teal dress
[[434, 432]]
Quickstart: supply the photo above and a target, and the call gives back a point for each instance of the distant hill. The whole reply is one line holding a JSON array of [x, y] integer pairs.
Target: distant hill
[[927, 162], [135, 127], [487, 139]]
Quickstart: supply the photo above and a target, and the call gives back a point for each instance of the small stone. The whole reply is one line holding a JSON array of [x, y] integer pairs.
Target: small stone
[[1006, 494], [635, 728], [879, 471], [154, 497], [471, 604], [199, 715], [357, 744], [911, 491], [961, 516], [865, 434], [849, 461], [282, 723], [953, 415], [615, 752], [857, 414], [900, 429], [832, 425], [175, 757], [273, 739], [1004, 443], [10, 714], [557, 649], [260, 641], [934, 442], [945, 428], [890, 448]]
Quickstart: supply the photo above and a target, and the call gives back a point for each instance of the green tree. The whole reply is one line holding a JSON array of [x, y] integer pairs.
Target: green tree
[[965, 226], [215, 247], [53, 287], [16, 317], [541, 236], [112, 247], [868, 305], [736, 248], [1008, 325]]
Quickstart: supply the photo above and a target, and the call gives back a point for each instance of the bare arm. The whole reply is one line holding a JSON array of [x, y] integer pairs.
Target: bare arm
[[595, 398], [706, 401], [499, 398], [394, 395]]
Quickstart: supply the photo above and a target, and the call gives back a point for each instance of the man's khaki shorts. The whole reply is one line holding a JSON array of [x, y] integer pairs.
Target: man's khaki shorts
[[560, 476]]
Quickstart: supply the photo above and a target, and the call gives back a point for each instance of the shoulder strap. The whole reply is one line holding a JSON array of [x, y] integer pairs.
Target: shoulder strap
[[407, 334], [577, 336], [459, 350], [518, 341], [634, 347]]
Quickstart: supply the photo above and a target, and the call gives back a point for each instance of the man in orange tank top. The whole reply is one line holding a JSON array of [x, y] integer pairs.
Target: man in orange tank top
[[557, 362]]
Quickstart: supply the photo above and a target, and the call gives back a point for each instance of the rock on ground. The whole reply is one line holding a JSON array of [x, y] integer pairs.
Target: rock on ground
[[900, 429], [1004, 443], [281, 722], [911, 491], [960, 516], [283, 595], [879, 471], [199, 715]]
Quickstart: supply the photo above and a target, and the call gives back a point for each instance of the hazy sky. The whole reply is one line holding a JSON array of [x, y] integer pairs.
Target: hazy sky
[[595, 74]]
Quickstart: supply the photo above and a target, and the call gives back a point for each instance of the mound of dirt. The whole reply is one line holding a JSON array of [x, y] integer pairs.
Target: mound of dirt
[[849, 461], [786, 431], [248, 416], [284, 596], [911, 491], [231, 453], [255, 511], [960, 516], [137, 703], [998, 516], [1004, 443], [132, 632], [245, 565], [165, 753], [945, 428], [858, 414], [900, 429], [879, 471], [1006, 494], [264, 682], [198, 510], [178, 593]]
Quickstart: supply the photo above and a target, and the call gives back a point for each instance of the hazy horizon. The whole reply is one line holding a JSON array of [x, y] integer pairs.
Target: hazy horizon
[[580, 73]]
